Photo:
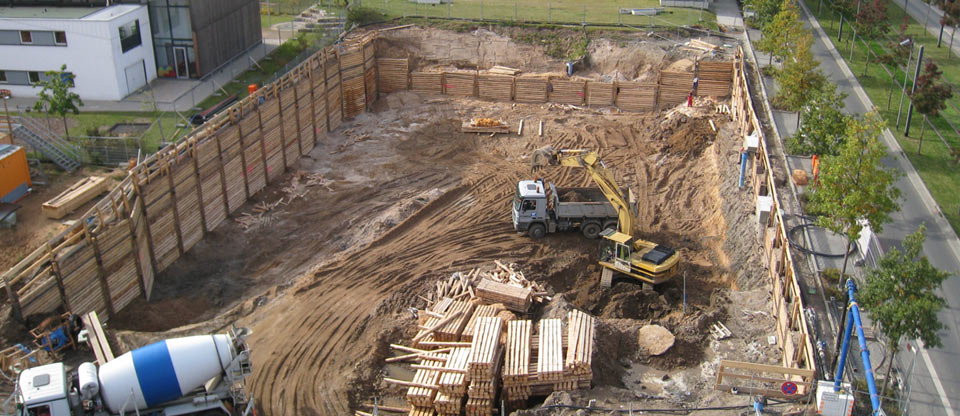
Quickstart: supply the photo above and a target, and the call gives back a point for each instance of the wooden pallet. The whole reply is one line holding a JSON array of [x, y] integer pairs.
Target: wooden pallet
[[513, 297], [580, 330], [74, 197]]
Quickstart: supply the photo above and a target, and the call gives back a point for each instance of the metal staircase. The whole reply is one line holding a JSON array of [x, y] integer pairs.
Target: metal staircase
[[33, 134]]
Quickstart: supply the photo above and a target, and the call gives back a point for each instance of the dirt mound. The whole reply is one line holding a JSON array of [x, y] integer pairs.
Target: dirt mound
[[477, 48], [691, 138], [634, 60]]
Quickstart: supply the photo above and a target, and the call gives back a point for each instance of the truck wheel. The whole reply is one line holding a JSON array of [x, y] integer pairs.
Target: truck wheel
[[536, 231], [611, 225], [591, 230]]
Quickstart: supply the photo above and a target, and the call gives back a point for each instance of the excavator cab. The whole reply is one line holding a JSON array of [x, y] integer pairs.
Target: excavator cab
[[616, 249]]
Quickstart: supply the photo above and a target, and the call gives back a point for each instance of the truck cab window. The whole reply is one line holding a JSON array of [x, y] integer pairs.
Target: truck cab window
[[528, 205], [42, 410]]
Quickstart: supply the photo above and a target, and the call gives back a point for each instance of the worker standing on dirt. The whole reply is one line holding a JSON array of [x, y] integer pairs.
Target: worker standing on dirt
[[690, 99]]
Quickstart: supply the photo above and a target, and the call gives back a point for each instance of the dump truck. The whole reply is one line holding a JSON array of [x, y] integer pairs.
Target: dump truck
[[540, 207], [181, 376]]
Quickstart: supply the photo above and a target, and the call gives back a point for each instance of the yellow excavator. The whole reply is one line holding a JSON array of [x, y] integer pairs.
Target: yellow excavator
[[620, 251]]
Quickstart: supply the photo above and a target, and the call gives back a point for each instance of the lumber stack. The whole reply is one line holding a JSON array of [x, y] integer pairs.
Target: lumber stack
[[516, 369], [567, 92], [481, 311], [530, 90], [515, 298], [483, 367], [460, 84], [599, 94], [393, 73], [496, 87], [550, 351], [427, 82], [503, 70], [637, 96], [445, 323], [420, 411], [74, 197], [452, 385], [578, 365], [715, 78], [476, 126], [675, 86], [424, 387]]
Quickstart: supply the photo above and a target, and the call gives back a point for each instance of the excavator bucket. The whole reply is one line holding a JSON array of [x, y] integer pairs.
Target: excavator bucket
[[544, 156]]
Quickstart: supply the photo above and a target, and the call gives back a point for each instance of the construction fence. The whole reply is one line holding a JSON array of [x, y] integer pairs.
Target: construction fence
[[796, 376]]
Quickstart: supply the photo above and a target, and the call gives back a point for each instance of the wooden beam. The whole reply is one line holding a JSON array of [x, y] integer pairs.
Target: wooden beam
[[101, 274], [199, 183], [173, 206], [134, 244], [767, 368], [146, 223]]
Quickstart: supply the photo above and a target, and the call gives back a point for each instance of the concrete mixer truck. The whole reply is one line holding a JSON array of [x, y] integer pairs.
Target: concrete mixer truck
[[180, 376]]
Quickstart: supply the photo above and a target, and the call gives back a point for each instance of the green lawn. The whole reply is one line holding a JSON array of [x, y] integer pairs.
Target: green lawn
[[267, 21], [553, 11], [935, 165], [82, 124]]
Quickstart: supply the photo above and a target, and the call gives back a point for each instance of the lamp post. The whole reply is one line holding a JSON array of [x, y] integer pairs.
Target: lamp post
[[906, 72]]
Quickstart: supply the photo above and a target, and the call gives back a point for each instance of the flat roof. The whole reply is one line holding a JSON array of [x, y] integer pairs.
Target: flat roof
[[18, 12], [77, 13]]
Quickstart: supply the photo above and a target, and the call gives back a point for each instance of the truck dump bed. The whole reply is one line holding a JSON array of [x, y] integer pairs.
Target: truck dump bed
[[582, 203]]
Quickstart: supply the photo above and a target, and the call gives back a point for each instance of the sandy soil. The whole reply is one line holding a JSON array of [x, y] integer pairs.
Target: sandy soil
[[326, 283]]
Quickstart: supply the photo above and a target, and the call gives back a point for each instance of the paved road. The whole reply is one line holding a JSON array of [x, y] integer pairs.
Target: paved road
[[923, 12], [936, 380]]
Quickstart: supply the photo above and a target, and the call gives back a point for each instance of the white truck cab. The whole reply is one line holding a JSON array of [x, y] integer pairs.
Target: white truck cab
[[44, 391]]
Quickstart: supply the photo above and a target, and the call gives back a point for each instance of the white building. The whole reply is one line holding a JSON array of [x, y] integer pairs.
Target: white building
[[107, 50]]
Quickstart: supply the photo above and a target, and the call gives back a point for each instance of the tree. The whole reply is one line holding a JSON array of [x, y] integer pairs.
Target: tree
[[951, 16], [782, 34], [763, 11], [854, 185], [930, 95], [898, 51], [55, 96], [823, 125], [900, 294], [799, 79], [871, 21]]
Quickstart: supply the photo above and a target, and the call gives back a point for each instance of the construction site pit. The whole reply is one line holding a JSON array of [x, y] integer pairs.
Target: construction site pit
[[325, 264]]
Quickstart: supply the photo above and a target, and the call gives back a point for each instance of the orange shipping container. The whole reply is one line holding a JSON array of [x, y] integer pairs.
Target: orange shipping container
[[14, 173]]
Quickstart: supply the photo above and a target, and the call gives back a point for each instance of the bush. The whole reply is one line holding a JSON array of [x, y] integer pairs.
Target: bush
[[364, 16]]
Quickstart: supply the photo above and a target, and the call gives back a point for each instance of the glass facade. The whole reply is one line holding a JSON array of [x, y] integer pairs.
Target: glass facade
[[173, 38]]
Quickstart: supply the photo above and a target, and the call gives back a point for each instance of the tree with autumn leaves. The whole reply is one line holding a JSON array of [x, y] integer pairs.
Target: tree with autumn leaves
[[930, 95]]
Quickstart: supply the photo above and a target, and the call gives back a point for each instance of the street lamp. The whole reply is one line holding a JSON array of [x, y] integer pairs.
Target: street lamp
[[906, 72]]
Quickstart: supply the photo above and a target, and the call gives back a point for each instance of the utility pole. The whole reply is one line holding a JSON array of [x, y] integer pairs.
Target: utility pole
[[906, 130], [906, 73], [853, 41]]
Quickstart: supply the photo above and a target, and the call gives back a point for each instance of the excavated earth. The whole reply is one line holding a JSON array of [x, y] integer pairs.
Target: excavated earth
[[325, 281]]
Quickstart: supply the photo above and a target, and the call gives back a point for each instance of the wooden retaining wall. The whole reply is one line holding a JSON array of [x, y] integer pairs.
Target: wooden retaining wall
[[793, 337], [111, 256], [671, 88]]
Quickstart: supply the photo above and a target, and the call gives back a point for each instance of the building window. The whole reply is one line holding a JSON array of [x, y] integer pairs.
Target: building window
[[130, 35], [60, 38], [33, 76], [3, 77], [25, 37]]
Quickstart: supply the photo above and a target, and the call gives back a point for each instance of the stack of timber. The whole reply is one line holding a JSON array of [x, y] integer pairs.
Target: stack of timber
[[675, 87], [427, 82], [460, 84], [484, 125], [480, 311], [452, 385], [462, 285], [423, 389], [393, 73], [516, 369], [420, 411], [530, 90], [550, 351], [503, 70], [515, 298], [578, 365], [715, 78], [444, 323], [483, 367], [496, 87], [637, 96], [567, 92], [74, 197], [599, 94]]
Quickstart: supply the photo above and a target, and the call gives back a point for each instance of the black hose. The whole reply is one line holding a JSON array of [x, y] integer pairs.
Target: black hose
[[805, 250]]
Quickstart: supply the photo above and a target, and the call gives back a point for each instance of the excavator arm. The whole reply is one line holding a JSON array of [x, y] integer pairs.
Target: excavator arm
[[603, 177]]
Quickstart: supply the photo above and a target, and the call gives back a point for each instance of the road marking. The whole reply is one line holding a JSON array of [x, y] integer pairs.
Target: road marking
[[936, 380]]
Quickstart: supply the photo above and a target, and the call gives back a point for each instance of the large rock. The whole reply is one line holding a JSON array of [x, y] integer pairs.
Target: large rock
[[655, 339]]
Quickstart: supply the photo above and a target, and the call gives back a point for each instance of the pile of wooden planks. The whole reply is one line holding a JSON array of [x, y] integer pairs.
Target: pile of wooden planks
[[503, 70], [452, 386], [423, 389], [74, 197], [480, 311], [550, 351], [530, 90], [445, 322], [515, 298], [472, 126], [578, 365], [483, 367], [715, 78], [516, 368]]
